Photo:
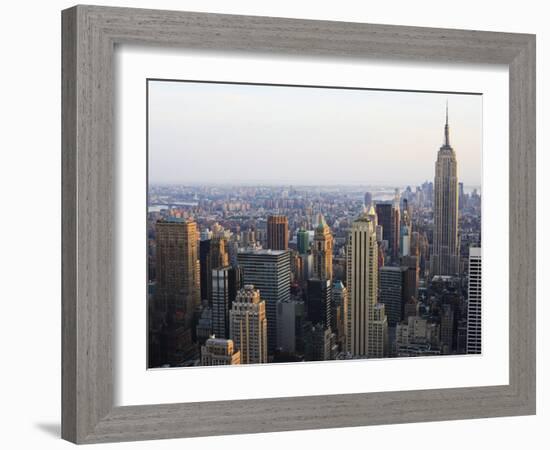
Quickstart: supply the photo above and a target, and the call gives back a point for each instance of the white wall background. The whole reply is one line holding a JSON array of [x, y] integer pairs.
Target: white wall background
[[31, 207]]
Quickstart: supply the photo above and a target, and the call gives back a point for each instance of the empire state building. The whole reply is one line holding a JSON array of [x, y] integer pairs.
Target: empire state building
[[445, 259]]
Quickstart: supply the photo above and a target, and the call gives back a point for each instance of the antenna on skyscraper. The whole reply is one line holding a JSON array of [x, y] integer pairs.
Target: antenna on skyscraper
[[446, 143]]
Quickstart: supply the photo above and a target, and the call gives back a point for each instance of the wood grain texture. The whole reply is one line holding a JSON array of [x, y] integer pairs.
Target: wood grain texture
[[89, 36], [68, 225], [87, 240]]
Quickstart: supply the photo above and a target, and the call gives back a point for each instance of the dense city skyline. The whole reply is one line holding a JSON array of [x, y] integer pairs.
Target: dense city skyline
[[307, 128], [254, 274]]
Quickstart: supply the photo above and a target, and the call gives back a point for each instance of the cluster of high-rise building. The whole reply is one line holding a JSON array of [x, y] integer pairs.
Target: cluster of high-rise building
[[250, 275]]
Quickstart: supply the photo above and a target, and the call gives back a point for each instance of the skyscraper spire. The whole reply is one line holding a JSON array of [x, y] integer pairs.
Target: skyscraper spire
[[447, 143], [445, 257]]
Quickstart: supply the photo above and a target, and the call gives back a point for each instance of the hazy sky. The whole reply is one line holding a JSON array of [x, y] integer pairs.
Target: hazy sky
[[230, 133]]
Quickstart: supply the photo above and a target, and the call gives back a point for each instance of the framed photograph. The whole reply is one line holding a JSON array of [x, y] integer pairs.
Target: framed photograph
[[277, 224]]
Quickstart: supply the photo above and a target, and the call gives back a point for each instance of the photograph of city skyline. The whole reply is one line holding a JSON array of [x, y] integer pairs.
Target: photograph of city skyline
[[301, 223]]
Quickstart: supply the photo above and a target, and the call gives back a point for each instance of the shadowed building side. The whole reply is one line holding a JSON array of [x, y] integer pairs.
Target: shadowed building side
[[177, 276]]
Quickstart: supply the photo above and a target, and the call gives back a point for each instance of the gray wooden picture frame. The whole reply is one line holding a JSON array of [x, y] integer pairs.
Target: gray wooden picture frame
[[89, 37]]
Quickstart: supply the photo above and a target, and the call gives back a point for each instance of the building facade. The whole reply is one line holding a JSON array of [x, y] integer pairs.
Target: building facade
[[317, 343], [290, 317], [226, 282], [447, 315], [319, 301], [391, 293], [248, 325], [378, 332], [445, 257], [177, 273], [339, 316], [322, 250], [389, 218], [473, 332], [219, 352], [268, 271], [213, 254], [277, 232], [362, 283], [405, 240], [417, 337], [411, 309], [204, 262], [302, 240]]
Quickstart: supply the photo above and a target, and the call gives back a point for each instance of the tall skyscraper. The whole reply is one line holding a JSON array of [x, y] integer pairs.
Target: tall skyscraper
[[219, 352], [362, 283], [389, 218], [277, 232], [226, 281], [213, 253], [396, 230], [391, 293], [397, 217], [319, 301], [322, 250], [177, 274], [219, 256], [268, 271], [302, 238], [205, 269], [445, 257], [473, 332], [248, 325], [384, 214]]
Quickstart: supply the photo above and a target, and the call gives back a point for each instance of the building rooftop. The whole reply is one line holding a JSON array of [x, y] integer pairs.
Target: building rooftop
[[262, 251], [172, 220], [219, 341]]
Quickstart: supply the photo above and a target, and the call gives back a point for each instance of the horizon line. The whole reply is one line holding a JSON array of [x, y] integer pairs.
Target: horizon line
[[267, 184]]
